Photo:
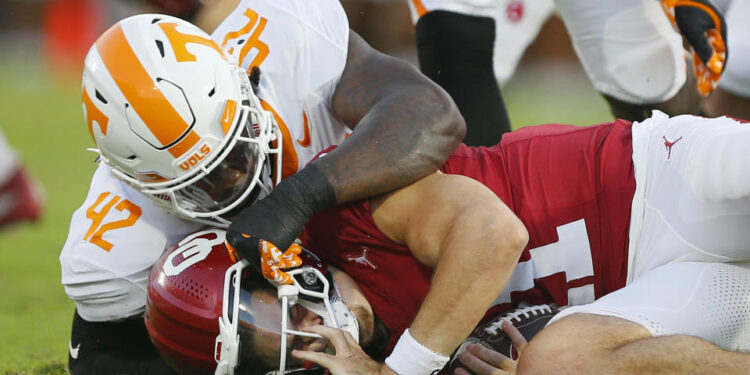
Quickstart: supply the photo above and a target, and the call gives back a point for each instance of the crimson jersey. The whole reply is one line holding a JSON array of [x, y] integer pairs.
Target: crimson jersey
[[571, 186]]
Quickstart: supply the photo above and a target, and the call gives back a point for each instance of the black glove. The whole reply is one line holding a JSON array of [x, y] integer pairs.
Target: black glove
[[264, 232], [703, 26]]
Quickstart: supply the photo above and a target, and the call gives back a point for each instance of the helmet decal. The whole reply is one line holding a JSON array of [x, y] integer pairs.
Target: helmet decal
[[92, 114], [178, 118], [143, 94], [192, 160], [192, 250]]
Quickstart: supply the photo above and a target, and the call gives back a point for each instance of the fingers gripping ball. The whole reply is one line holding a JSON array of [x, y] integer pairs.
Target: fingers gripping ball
[[704, 28], [529, 321]]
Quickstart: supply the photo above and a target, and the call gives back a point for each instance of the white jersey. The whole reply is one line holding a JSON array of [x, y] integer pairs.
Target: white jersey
[[689, 227], [114, 238], [118, 234], [300, 48], [692, 197]]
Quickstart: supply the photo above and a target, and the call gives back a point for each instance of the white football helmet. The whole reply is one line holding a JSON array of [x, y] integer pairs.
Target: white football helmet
[[176, 117]]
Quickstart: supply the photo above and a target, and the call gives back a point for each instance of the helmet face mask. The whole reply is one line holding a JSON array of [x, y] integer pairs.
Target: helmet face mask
[[269, 321], [175, 117], [240, 174], [207, 313]]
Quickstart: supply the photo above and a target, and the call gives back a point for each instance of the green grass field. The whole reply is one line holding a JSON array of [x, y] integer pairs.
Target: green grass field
[[42, 119]]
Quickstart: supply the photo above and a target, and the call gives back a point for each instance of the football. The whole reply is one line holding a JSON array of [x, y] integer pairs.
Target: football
[[529, 320]]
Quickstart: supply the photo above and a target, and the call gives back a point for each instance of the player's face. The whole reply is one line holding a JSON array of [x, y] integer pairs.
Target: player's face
[[224, 183], [260, 321]]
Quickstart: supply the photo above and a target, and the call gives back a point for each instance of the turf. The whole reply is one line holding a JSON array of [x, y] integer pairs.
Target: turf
[[42, 119]]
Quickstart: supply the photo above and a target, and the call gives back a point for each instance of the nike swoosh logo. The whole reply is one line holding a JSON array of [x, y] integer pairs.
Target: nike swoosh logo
[[227, 116], [229, 109], [305, 142], [74, 351]]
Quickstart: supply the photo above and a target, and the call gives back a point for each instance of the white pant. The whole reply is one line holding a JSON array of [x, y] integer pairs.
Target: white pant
[[706, 300], [517, 23], [690, 217], [736, 77], [627, 47]]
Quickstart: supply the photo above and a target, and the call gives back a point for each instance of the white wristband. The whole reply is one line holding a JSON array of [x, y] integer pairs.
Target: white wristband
[[409, 357]]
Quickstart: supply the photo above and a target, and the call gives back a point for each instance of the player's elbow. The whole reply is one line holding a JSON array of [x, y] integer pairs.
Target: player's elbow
[[506, 236], [443, 124], [449, 122], [515, 237]]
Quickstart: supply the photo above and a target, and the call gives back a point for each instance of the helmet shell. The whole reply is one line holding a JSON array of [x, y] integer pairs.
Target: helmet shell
[[185, 292], [159, 97]]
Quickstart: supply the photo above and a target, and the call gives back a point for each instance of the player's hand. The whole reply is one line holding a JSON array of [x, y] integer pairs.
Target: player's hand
[[704, 28], [484, 361], [273, 261], [349, 359], [266, 240], [265, 227]]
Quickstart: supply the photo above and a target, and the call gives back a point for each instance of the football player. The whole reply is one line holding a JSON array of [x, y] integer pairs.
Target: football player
[[629, 49], [602, 206], [463, 42], [20, 194], [685, 324], [158, 89], [732, 97], [455, 42]]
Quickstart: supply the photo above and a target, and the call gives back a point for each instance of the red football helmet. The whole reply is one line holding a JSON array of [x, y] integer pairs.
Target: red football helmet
[[184, 301], [202, 325]]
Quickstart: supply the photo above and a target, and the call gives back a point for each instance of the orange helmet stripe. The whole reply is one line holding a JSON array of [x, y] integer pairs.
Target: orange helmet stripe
[[142, 93], [185, 144]]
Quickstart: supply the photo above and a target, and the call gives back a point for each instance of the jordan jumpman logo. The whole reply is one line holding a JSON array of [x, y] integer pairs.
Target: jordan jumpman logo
[[362, 259], [669, 145]]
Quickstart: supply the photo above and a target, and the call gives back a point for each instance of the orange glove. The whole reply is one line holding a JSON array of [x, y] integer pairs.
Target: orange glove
[[273, 261], [704, 28]]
